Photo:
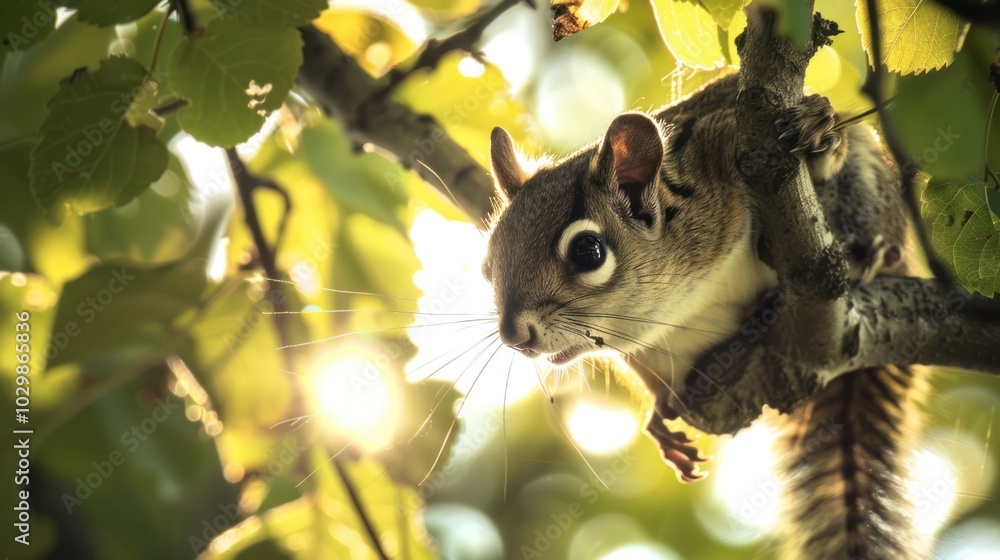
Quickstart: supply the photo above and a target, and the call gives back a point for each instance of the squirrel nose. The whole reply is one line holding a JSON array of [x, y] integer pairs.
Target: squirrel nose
[[518, 333]]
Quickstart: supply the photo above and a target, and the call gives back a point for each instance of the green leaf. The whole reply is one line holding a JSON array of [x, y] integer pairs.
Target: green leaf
[[964, 235], [131, 464], [723, 11], [364, 183], [91, 156], [104, 13], [281, 525], [950, 139], [690, 33], [31, 77], [117, 308], [917, 35], [28, 241], [233, 76], [157, 227], [273, 14], [23, 23]]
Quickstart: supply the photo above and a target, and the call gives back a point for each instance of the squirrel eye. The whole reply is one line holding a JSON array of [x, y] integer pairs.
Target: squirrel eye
[[487, 271], [587, 251]]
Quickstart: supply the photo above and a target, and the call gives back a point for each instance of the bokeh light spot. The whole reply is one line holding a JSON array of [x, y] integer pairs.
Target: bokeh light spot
[[602, 428], [356, 399]]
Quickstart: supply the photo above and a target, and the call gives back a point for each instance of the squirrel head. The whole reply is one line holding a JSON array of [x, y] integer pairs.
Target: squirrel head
[[596, 250]]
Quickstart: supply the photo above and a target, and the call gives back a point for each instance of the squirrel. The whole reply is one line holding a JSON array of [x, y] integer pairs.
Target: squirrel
[[644, 243]]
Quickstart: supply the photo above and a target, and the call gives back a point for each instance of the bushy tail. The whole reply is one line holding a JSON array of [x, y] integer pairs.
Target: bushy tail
[[843, 457]]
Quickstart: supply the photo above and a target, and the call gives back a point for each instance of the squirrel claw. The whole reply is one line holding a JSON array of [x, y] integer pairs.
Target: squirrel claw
[[676, 450]]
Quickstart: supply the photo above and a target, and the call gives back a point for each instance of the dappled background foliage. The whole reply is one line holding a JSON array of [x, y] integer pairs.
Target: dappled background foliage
[[171, 418]]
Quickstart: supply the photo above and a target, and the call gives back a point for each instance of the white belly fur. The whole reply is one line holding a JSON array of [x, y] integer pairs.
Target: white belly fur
[[712, 313]]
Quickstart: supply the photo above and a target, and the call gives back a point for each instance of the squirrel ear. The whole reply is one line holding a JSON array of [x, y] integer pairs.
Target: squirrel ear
[[633, 149], [507, 170]]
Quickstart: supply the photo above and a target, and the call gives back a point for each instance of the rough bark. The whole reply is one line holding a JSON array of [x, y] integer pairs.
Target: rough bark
[[332, 79]]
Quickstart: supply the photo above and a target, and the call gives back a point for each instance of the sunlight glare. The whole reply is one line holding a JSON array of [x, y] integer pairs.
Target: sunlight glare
[[600, 428], [514, 44], [403, 14], [357, 399], [217, 260], [463, 532], [577, 83], [744, 478], [470, 67], [456, 338], [932, 490], [641, 551], [974, 539]]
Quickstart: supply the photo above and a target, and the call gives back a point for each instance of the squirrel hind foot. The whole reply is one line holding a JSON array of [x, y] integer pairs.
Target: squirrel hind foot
[[809, 128], [873, 258]]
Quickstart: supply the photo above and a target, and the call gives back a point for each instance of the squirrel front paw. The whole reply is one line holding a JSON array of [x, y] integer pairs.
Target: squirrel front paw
[[675, 448], [809, 129]]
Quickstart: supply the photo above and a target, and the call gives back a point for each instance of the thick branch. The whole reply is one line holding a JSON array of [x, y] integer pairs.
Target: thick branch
[[810, 264], [803, 250], [347, 93], [892, 320], [817, 328]]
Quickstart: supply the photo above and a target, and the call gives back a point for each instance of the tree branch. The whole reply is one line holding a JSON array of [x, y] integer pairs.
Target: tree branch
[[891, 320], [817, 328], [434, 50], [810, 264], [246, 184], [347, 93]]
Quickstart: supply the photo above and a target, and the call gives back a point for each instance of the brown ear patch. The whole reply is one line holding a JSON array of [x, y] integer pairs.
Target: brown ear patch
[[636, 148], [632, 152], [507, 170]]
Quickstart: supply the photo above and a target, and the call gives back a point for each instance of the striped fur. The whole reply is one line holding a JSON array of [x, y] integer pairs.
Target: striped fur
[[843, 458]]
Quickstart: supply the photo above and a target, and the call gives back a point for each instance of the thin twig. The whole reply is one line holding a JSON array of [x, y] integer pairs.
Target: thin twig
[[159, 40], [850, 120], [908, 167], [434, 50], [170, 107], [246, 183]]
